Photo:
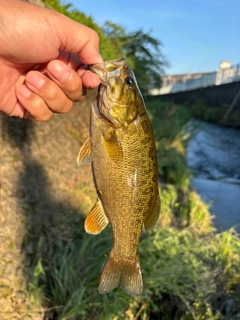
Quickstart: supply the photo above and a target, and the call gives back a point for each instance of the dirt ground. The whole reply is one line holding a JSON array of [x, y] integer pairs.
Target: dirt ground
[[38, 167]]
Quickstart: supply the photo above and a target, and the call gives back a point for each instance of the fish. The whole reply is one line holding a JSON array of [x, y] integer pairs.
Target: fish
[[122, 152]]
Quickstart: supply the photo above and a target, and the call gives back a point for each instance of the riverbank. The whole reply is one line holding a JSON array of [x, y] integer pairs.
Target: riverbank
[[188, 271], [223, 199], [217, 104], [213, 154]]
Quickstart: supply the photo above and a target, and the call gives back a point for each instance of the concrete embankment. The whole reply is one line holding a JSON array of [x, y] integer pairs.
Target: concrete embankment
[[210, 103]]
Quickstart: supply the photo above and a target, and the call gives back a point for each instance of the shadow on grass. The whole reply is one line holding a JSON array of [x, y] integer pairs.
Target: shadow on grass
[[54, 229]]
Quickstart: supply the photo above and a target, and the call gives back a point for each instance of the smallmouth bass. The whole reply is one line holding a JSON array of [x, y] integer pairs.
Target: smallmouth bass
[[122, 150]]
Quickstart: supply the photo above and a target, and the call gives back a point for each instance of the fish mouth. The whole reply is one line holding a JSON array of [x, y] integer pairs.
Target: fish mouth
[[107, 69], [103, 109]]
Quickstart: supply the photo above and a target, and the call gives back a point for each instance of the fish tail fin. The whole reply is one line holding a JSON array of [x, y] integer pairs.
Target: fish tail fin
[[123, 273]]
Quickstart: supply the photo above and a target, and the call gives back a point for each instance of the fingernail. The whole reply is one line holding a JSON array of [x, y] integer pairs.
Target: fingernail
[[35, 79], [23, 92], [59, 70]]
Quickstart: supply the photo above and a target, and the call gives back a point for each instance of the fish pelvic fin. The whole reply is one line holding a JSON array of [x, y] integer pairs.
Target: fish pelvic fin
[[152, 217], [85, 153], [96, 220], [123, 273]]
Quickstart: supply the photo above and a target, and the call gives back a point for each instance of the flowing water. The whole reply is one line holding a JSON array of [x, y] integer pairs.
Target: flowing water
[[213, 154]]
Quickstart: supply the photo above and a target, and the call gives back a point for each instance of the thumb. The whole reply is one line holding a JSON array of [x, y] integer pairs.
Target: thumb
[[50, 32], [77, 38]]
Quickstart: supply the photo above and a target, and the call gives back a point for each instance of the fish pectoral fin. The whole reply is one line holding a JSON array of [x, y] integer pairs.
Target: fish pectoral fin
[[96, 220], [152, 217], [85, 153], [123, 273], [112, 145]]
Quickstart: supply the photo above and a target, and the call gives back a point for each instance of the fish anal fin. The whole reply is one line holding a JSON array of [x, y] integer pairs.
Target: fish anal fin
[[152, 217], [96, 220], [112, 145], [123, 273], [85, 153]]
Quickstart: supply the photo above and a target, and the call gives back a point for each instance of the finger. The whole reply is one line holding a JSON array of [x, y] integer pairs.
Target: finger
[[89, 79], [70, 59], [35, 107], [48, 91], [67, 79], [57, 69]]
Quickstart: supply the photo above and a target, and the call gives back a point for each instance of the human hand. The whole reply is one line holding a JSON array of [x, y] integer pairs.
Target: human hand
[[43, 61]]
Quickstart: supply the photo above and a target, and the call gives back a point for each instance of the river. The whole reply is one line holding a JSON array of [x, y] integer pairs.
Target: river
[[213, 155]]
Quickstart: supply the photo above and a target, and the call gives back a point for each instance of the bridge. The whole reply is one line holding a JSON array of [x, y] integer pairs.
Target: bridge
[[191, 81]]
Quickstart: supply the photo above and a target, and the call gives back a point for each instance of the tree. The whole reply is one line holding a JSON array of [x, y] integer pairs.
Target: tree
[[142, 52]]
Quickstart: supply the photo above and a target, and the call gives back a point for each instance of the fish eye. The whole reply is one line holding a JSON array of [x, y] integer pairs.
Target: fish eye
[[129, 82]]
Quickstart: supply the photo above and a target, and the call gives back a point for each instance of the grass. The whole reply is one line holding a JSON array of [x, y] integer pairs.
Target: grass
[[169, 124], [184, 208], [184, 275], [189, 272], [190, 269], [200, 110]]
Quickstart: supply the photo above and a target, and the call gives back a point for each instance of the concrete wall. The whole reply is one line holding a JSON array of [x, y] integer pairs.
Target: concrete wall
[[219, 77], [215, 96]]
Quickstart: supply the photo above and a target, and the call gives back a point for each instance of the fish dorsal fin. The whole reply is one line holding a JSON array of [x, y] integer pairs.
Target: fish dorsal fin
[[152, 217], [96, 220], [85, 153], [112, 145]]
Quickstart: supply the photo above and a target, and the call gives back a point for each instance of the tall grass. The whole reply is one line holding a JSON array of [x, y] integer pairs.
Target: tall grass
[[186, 276]]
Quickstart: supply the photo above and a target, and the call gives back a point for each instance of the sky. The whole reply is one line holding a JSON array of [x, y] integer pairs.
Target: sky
[[196, 34]]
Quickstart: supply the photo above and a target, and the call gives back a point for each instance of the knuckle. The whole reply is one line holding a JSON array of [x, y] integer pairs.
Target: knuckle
[[64, 107], [44, 117], [74, 86], [52, 93], [40, 111], [68, 106]]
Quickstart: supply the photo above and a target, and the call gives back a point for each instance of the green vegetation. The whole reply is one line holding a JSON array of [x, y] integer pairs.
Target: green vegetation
[[189, 272], [169, 125], [184, 275], [215, 114]]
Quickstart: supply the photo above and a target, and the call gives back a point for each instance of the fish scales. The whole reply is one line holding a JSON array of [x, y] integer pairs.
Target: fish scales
[[120, 196], [124, 167]]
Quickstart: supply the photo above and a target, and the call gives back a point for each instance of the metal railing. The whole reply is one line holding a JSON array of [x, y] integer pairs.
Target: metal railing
[[221, 76]]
